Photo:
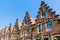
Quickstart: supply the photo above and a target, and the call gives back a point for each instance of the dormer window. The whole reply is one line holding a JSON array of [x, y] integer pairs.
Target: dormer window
[[43, 14], [49, 25]]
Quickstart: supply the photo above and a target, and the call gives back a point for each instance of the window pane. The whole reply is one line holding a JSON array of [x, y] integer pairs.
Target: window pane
[[43, 14], [25, 22], [49, 24], [27, 30], [42, 28], [39, 27]]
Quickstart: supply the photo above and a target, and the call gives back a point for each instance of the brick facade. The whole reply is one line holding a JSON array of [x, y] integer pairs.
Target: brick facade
[[28, 29]]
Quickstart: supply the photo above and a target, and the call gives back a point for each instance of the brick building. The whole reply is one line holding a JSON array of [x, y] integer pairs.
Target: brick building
[[46, 26]]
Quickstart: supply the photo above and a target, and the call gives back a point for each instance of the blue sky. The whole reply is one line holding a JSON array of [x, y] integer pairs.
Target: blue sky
[[12, 9]]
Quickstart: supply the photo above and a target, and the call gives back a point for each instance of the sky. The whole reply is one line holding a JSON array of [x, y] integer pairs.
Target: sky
[[12, 9]]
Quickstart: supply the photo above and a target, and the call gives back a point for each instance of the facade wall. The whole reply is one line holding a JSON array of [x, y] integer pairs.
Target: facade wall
[[29, 30]]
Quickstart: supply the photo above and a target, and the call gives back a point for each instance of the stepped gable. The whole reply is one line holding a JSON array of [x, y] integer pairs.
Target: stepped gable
[[17, 24], [28, 19], [6, 29], [10, 28]]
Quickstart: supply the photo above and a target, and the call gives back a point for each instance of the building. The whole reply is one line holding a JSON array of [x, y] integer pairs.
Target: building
[[46, 26]]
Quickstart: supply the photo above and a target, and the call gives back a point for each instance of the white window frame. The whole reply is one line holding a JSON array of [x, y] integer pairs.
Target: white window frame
[[42, 16], [41, 26], [22, 34], [26, 33], [47, 30], [38, 30], [57, 35]]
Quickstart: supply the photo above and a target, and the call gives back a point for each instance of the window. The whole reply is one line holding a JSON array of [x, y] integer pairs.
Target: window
[[25, 22], [49, 25], [27, 30], [40, 28], [9, 29], [14, 34], [22, 33], [43, 14]]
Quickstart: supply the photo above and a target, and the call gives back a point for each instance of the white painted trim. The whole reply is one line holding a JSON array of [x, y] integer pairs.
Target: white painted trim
[[48, 30], [57, 35], [46, 37], [43, 16], [38, 30], [28, 39], [41, 26]]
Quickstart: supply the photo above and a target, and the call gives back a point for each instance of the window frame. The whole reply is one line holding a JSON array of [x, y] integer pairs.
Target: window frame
[[22, 33], [49, 29], [43, 16], [41, 28], [27, 29]]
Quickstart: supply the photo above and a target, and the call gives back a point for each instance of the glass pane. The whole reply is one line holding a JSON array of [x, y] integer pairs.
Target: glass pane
[[27, 30], [43, 14], [25, 22], [49, 24], [39, 27], [42, 27]]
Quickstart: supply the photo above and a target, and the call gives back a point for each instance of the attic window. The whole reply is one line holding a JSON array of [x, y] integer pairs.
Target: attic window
[[9, 29], [25, 22], [22, 32], [43, 14], [27, 30]]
